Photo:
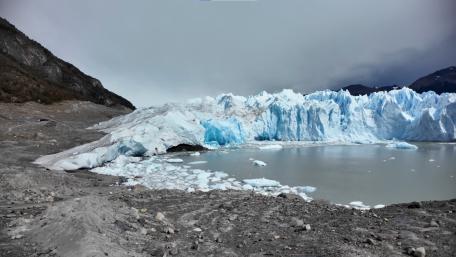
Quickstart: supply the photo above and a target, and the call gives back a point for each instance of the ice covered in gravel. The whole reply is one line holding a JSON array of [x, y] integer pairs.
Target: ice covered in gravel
[[158, 173]]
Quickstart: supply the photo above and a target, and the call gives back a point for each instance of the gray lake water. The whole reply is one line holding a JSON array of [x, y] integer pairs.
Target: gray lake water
[[372, 174]]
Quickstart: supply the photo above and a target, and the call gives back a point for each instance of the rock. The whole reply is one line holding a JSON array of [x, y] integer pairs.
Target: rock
[[295, 222], [195, 246], [404, 234], [197, 230], [227, 206], [168, 230], [143, 231], [415, 252], [232, 217], [419, 252], [123, 226], [434, 223], [218, 240], [307, 227], [174, 251], [160, 216], [415, 205], [370, 241]]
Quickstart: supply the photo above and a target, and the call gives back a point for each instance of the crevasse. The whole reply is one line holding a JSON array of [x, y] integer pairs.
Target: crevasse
[[326, 116]]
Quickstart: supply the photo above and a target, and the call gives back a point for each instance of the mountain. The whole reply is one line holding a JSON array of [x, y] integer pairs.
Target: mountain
[[442, 81], [358, 89], [30, 72]]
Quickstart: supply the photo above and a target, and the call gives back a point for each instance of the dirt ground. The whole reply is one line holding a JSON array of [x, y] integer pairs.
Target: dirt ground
[[49, 213]]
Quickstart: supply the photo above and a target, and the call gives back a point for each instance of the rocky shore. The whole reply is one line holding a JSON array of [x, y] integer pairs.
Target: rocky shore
[[49, 213]]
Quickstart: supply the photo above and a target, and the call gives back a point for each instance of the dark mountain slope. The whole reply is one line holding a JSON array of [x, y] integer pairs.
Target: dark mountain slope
[[442, 81], [359, 89], [30, 72]]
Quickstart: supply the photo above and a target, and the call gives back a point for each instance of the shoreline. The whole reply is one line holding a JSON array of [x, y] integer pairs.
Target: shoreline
[[51, 213]]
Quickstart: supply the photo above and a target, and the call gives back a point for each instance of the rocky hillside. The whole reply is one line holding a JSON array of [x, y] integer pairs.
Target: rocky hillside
[[442, 81], [30, 72], [359, 89]]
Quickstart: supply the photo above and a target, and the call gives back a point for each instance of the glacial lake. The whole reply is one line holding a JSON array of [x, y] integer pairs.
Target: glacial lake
[[373, 174]]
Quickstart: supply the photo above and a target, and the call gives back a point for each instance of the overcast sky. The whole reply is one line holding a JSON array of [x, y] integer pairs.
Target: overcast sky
[[155, 51]]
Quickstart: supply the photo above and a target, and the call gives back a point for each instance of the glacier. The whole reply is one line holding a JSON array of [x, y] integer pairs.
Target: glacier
[[229, 120]]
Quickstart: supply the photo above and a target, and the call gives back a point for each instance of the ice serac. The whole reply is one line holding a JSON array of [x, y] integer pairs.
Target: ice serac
[[227, 120]]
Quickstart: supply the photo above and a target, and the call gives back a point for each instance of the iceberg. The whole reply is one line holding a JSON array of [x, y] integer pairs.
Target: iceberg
[[175, 160], [270, 147], [402, 145], [228, 120], [259, 163], [359, 205], [261, 182], [197, 162]]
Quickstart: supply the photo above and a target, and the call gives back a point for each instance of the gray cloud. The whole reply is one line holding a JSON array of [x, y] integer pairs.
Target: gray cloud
[[157, 51]]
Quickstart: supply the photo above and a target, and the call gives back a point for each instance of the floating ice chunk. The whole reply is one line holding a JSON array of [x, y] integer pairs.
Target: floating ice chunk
[[306, 189], [261, 182], [259, 163], [175, 160], [305, 197], [247, 187], [197, 162], [220, 174], [402, 145], [359, 205], [270, 147], [221, 186], [195, 154], [379, 206], [431, 160]]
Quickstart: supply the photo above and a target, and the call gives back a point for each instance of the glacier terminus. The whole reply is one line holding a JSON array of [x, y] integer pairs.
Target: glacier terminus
[[229, 120]]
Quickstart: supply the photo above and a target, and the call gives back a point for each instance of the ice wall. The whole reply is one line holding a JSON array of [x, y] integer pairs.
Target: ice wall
[[286, 116]]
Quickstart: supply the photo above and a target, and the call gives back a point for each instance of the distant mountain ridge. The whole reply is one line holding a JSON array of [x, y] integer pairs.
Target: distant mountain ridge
[[441, 81], [30, 72]]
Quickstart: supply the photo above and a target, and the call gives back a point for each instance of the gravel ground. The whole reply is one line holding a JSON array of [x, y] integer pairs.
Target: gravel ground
[[48, 213]]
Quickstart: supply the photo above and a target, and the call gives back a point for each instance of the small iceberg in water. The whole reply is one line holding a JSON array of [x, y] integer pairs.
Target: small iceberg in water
[[402, 145], [197, 162], [175, 160], [259, 163], [270, 147]]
